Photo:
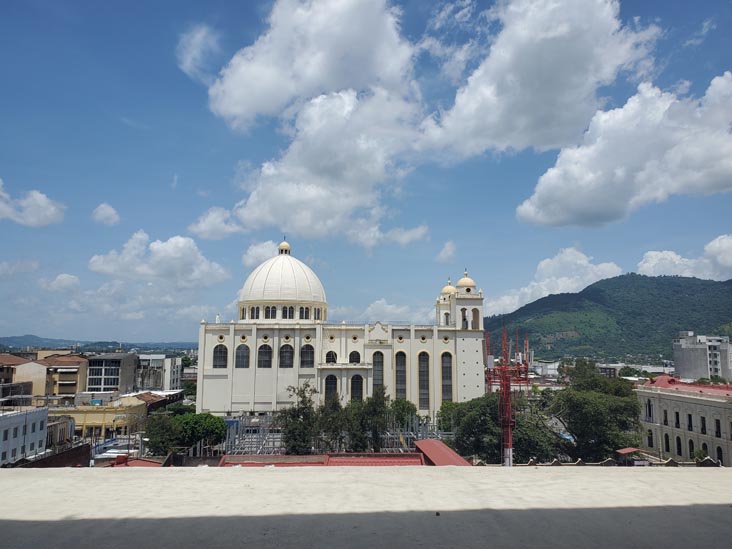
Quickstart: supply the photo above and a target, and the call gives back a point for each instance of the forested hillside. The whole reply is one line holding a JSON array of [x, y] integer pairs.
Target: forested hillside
[[626, 316]]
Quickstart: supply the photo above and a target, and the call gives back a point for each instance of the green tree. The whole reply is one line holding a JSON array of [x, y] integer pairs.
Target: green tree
[[299, 421], [356, 426], [600, 414], [402, 411], [331, 424], [178, 409], [162, 434], [189, 388], [375, 410], [627, 371], [192, 428], [186, 361]]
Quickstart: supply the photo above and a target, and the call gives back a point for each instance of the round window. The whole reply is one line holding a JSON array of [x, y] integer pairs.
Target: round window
[[423, 339], [446, 339], [221, 338], [287, 338], [331, 338], [400, 339], [467, 290], [307, 338], [243, 338], [265, 338], [354, 338]]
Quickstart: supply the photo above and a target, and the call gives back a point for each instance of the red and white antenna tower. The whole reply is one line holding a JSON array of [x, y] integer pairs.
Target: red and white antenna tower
[[509, 376]]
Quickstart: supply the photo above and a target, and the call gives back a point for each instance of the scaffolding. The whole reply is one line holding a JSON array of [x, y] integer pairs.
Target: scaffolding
[[248, 435]]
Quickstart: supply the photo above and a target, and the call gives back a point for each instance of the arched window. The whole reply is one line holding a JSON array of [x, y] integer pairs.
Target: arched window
[[220, 356], [264, 357], [447, 319], [650, 438], [705, 449], [331, 387], [331, 357], [307, 313], [354, 357], [424, 381], [401, 375], [254, 313], [270, 312], [291, 312], [302, 313], [649, 410], [316, 313], [357, 388], [307, 356], [476, 319], [666, 443], [243, 313], [464, 313], [720, 455], [446, 377], [691, 449], [242, 357], [285, 313], [678, 446], [378, 369], [287, 356]]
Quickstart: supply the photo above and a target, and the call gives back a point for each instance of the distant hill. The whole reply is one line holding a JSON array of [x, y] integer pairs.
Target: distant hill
[[21, 342], [622, 317]]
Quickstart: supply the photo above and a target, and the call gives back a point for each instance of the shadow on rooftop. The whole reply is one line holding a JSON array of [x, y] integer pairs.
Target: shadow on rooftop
[[667, 527]]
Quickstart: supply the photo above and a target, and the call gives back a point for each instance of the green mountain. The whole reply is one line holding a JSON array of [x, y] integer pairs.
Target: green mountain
[[626, 317], [29, 340]]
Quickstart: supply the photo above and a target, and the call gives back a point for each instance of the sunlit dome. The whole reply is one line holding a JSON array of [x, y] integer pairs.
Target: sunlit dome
[[283, 278], [449, 289], [465, 281]]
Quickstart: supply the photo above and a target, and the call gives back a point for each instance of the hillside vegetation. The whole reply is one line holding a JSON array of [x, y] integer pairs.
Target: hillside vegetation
[[626, 317]]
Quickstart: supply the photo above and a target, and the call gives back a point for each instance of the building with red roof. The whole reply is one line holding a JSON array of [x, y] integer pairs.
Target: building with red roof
[[684, 420]]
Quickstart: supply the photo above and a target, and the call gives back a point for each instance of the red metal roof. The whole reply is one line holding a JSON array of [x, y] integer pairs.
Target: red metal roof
[[328, 460], [667, 382], [626, 451], [437, 452]]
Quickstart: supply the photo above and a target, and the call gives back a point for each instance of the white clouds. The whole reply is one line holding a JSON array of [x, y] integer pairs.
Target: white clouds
[[311, 48], [10, 268], [35, 209], [447, 253], [699, 36], [195, 49], [655, 146], [259, 252], [538, 85], [383, 311], [62, 283], [215, 224], [105, 214], [568, 271], [177, 262], [330, 178], [715, 264]]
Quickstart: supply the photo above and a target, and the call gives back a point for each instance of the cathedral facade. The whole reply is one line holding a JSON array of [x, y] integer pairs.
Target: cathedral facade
[[282, 338]]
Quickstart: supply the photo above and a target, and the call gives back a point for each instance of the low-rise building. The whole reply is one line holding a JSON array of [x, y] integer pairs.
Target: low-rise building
[[112, 372], [101, 421], [7, 370], [55, 379], [679, 419], [159, 372], [22, 433], [699, 356]]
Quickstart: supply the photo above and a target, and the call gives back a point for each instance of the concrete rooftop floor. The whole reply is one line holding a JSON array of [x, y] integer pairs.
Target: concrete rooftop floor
[[367, 507]]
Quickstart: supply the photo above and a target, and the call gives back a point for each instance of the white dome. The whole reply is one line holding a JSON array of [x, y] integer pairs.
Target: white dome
[[465, 281], [283, 278]]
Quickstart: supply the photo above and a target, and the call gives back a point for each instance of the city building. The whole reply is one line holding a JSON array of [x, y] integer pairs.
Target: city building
[[112, 372], [7, 370], [679, 419], [282, 338], [22, 433], [55, 379], [698, 356], [159, 372], [101, 421]]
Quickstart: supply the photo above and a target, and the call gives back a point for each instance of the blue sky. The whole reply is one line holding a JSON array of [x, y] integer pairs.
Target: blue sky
[[150, 156]]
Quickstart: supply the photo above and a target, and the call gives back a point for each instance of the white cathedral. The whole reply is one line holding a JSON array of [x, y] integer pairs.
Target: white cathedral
[[283, 338]]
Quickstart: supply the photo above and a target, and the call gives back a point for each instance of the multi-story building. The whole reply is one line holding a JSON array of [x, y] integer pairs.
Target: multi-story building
[[111, 372], [22, 433], [55, 379], [159, 372], [7, 370], [282, 338], [698, 356], [679, 419]]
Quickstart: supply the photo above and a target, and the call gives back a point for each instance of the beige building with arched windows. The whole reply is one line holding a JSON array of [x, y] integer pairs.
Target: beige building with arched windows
[[283, 338]]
